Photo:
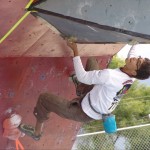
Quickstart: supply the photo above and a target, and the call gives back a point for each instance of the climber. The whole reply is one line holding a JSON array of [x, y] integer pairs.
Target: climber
[[99, 91]]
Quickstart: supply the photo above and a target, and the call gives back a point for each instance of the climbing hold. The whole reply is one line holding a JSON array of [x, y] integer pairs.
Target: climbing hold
[[10, 126]]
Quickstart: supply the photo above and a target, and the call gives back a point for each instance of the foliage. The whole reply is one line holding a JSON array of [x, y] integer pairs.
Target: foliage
[[134, 107], [116, 62]]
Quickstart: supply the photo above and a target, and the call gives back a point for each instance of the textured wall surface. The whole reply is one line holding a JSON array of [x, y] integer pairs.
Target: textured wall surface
[[36, 38], [22, 80], [35, 59], [98, 20]]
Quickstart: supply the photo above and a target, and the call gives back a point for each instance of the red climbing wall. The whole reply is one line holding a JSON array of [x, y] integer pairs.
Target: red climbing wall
[[22, 80]]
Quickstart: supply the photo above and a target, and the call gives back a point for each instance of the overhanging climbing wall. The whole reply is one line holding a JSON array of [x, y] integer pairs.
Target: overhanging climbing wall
[[98, 20]]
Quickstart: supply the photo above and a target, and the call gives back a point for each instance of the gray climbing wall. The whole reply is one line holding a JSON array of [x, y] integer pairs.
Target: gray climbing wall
[[101, 21]]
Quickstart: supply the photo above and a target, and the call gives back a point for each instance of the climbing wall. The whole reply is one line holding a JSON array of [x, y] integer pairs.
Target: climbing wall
[[98, 21], [34, 59], [22, 80]]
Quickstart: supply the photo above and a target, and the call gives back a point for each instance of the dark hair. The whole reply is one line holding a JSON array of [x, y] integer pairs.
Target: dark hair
[[144, 71]]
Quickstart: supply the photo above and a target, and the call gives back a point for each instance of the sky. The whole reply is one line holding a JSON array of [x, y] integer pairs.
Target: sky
[[143, 50]]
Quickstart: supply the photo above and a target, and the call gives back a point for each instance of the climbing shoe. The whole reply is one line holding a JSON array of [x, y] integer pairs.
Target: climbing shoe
[[29, 131]]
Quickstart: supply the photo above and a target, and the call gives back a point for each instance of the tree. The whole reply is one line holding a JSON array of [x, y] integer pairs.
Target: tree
[[116, 62]]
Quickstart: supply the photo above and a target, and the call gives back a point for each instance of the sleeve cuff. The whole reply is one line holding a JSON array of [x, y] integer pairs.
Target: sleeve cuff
[[76, 57]]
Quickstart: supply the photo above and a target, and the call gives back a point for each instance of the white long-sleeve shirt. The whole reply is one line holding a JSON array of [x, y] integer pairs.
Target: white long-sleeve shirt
[[109, 87]]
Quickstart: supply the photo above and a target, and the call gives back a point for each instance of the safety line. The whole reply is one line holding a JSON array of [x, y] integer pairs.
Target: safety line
[[29, 4], [17, 23], [15, 26], [18, 144]]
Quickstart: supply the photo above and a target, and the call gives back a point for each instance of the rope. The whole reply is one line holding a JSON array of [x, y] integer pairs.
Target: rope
[[17, 23], [18, 144], [29, 4]]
